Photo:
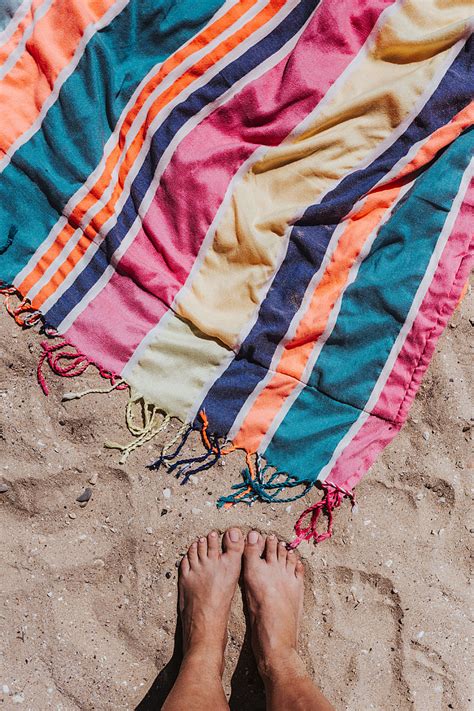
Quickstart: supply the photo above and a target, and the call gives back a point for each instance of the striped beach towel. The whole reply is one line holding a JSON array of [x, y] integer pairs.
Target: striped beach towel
[[255, 214]]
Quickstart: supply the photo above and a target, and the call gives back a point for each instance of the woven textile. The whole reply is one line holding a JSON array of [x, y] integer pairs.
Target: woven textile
[[256, 213]]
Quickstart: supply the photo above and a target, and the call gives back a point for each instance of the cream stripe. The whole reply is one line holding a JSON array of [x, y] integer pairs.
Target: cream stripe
[[405, 330]]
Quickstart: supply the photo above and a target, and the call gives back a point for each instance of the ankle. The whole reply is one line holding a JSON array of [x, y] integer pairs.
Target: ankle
[[200, 656], [279, 662]]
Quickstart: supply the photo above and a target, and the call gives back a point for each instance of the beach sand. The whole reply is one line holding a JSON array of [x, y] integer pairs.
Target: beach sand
[[88, 595]]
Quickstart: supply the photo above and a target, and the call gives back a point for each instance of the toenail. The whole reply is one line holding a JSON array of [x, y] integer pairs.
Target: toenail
[[213, 534], [283, 544], [253, 536], [234, 535], [202, 539], [271, 537]]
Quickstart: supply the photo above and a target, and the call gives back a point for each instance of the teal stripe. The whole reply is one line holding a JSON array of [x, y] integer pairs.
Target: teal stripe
[[55, 162], [372, 313]]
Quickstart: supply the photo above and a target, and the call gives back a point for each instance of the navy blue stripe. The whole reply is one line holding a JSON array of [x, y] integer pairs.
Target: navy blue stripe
[[231, 74], [308, 244]]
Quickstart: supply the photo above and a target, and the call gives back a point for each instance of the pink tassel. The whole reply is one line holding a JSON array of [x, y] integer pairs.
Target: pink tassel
[[332, 499], [68, 364]]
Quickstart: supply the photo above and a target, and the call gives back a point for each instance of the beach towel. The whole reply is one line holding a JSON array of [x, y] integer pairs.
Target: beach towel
[[254, 214]]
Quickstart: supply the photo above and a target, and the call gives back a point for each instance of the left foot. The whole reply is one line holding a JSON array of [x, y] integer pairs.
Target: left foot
[[208, 576]]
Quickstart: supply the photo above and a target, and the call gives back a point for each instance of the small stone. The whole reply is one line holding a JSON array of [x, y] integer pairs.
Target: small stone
[[221, 463], [167, 493], [164, 512], [420, 635], [149, 530], [288, 509], [167, 575], [72, 515], [196, 511], [18, 698], [85, 496], [4, 488], [194, 480], [442, 499], [5, 689], [49, 594], [419, 496], [441, 531], [426, 435], [388, 563], [99, 562], [121, 578], [93, 479]]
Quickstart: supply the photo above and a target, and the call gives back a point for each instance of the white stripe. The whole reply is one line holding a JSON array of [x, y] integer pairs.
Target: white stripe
[[21, 12], [131, 134], [178, 137], [381, 148], [61, 78], [406, 328], [14, 56]]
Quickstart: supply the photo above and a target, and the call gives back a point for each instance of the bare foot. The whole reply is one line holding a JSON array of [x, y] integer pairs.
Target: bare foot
[[208, 577], [274, 586]]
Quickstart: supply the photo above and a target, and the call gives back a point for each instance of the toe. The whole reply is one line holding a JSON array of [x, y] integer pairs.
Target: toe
[[299, 570], [271, 548], [254, 545], [291, 561], [193, 555], [282, 553], [213, 544], [233, 541], [184, 566], [202, 548]]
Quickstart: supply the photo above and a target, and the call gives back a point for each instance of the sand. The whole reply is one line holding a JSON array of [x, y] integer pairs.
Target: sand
[[88, 595]]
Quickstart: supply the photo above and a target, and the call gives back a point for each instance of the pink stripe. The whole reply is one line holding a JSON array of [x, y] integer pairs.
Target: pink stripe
[[193, 186], [403, 382]]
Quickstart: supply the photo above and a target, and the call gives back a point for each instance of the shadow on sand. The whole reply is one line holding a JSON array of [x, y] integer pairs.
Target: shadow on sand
[[247, 692]]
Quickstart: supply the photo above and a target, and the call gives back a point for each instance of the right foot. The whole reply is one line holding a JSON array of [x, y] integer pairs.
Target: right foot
[[208, 577], [274, 587]]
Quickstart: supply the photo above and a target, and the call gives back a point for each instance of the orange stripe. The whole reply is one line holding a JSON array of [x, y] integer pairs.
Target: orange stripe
[[294, 358], [24, 89], [91, 231]]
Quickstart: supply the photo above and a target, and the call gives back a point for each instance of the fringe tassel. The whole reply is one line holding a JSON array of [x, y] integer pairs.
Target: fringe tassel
[[185, 467], [332, 499], [149, 428], [257, 486], [23, 312], [67, 363]]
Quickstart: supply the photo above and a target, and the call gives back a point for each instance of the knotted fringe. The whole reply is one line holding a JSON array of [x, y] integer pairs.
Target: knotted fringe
[[153, 422], [332, 499], [185, 468], [68, 362], [257, 485], [23, 312]]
